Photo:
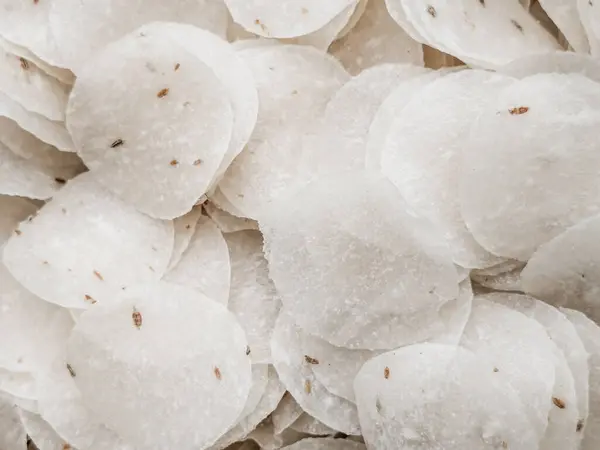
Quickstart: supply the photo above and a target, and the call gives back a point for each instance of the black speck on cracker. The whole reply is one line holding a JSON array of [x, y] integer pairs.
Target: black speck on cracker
[[197, 162], [24, 63], [311, 360], [517, 25], [518, 110], [136, 316], [482, 2], [162, 93], [431, 11], [260, 24], [117, 143], [248, 351], [71, 371], [558, 403], [580, 424], [177, 66], [60, 180], [18, 232]]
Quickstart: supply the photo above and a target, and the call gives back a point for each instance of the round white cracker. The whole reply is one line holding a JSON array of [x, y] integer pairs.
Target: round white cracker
[[271, 18], [422, 154], [438, 396], [375, 280], [524, 180], [86, 244], [488, 33], [273, 159], [231, 71], [517, 349], [569, 344], [162, 348], [157, 146]]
